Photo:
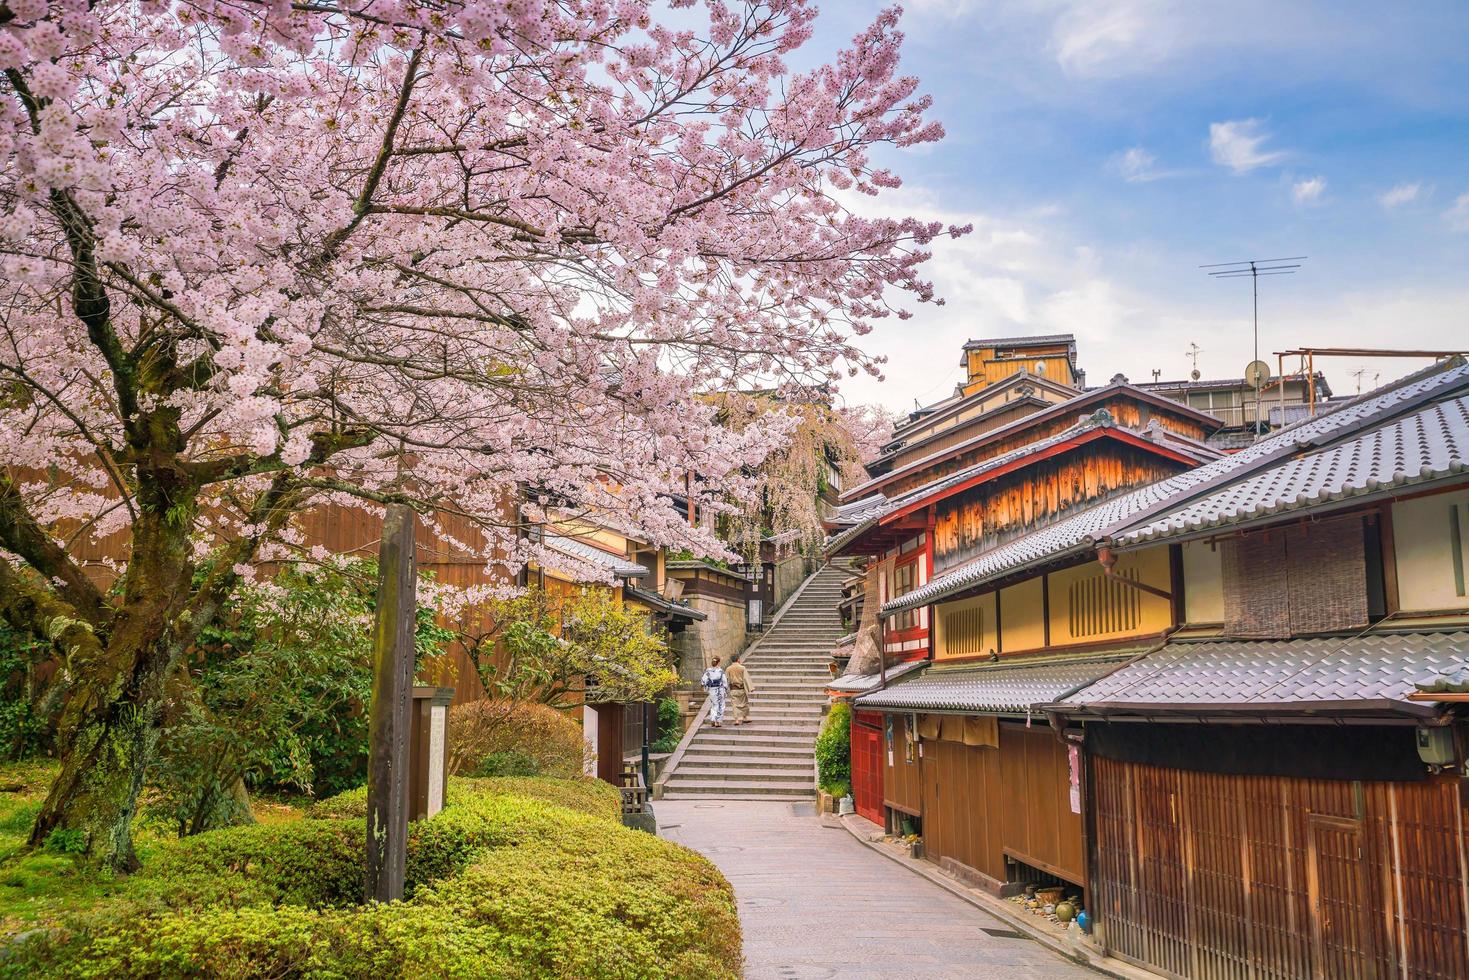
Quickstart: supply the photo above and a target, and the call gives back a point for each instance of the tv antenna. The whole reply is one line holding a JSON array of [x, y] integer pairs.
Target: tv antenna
[[1362, 372], [1255, 268], [1194, 350]]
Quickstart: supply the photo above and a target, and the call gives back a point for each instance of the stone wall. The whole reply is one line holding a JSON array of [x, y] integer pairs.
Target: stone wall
[[721, 635], [789, 574]]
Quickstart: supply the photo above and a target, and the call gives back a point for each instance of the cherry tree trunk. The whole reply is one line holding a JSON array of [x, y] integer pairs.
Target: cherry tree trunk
[[111, 740], [110, 726]]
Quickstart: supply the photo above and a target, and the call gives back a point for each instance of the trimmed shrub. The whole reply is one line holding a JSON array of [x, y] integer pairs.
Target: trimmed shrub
[[503, 885], [312, 863], [486, 735], [584, 795], [834, 751]]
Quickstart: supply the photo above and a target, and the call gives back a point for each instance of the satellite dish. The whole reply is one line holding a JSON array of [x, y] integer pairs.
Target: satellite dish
[[1256, 374], [1195, 374]]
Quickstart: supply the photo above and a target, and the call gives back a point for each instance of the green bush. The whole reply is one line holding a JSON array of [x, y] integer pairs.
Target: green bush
[[503, 885], [584, 795], [834, 751], [670, 727], [28, 695]]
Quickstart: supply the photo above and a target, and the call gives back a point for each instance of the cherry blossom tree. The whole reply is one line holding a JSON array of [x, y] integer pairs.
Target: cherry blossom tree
[[260, 256]]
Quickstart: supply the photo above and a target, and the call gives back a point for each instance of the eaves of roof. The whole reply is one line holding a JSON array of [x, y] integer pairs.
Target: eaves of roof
[[1006, 688], [1083, 432], [1375, 673], [655, 601], [1039, 340], [937, 411], [1082, 531], [592, 555], [1060, 408], [1424, 447]]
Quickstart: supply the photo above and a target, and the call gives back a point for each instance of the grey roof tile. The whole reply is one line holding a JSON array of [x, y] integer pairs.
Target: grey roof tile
[[1368, 673], [1083, 529], [1428, 444], [990, 688], [591, 555]]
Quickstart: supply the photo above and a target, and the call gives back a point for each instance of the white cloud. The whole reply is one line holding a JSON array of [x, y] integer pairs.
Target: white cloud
[[1028, 273], [1458, 215], [1136, 166], [1307, 191], [1103, 36], [1236, 144], [1399, 195]]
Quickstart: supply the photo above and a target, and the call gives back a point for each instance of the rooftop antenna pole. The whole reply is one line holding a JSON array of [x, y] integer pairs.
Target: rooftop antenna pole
[[1193, 352], [1255, 268]]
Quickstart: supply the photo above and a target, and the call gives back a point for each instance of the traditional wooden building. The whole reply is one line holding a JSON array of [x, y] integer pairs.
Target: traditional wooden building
[[1212, 705], [984, 484]]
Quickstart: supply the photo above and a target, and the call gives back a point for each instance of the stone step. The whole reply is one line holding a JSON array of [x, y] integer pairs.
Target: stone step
[[773, 726], [757, 774], [764, 798], [743, 738], [703, 787], [723, 754], [761, 729], [734, 765]]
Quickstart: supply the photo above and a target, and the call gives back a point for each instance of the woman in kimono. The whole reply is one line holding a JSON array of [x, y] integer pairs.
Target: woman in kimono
[[716, 686]]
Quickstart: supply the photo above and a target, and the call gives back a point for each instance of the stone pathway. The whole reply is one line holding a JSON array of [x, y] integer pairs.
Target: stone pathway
[[816, 903]]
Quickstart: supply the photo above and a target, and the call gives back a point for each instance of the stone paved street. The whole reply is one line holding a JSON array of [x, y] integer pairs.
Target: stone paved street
[[816, 903]]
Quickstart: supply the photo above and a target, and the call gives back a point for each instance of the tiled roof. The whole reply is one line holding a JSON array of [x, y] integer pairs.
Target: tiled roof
[[1453, 679], [849, 684], [594, 556], [859, 510], [1082, 530], [655, 601], [1076, 404], [876, 508], [877, 511], [995, 688], [1050, 338], [1365, 674], [1427, 445]]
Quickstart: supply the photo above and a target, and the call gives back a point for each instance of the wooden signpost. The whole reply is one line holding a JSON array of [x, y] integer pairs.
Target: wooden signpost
[[392, 699]]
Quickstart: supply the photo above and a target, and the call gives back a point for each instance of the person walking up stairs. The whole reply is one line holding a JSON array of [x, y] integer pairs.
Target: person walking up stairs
[[773, 756]]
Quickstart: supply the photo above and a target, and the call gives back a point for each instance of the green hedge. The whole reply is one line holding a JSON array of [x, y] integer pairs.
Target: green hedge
[[500, 884], [834, 751], [583, 795]]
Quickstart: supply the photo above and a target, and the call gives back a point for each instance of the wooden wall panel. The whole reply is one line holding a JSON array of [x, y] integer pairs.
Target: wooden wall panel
[[1124, 409], [1216, 876], [901, 787], [1011, 505], [982, 803]]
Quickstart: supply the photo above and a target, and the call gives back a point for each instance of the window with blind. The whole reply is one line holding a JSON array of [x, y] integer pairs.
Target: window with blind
[[1296, 580]]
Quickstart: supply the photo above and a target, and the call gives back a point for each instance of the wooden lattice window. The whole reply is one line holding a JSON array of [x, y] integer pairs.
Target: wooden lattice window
[[964, 631], [904, 580], [1100, 606]]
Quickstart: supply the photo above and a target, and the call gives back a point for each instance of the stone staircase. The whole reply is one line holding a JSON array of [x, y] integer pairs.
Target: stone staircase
[[772, 757]]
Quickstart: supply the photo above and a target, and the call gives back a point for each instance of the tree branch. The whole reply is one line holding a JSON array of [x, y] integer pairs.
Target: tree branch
[[20, 534]]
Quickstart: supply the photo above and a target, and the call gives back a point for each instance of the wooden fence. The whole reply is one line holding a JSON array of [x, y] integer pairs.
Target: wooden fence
[[1221, 877]]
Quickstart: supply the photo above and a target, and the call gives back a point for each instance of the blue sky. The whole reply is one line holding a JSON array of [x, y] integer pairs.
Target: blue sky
[[1104, 149]]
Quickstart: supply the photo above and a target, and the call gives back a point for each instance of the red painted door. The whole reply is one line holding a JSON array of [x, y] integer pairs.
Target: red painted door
[[867, 771]]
